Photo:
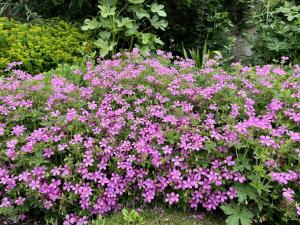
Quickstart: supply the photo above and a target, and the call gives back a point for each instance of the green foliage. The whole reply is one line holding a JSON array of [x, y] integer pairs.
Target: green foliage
[[193, 22], [162, 216], [123, 26], [40, 47], [31, 9], [277, 30], [132, 217], [200, 59], [237, 215]]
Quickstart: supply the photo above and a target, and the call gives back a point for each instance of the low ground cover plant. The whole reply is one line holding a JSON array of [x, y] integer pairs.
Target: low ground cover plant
[[134, 131], [40, 46]]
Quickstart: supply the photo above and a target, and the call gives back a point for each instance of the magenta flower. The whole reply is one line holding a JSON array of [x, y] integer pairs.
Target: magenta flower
[[172, 198], [298, 210], [48, 152], [18, 130], [288, 194], [19, 201]]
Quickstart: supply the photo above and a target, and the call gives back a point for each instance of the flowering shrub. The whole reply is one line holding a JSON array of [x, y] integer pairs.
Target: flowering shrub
[[133, 130]]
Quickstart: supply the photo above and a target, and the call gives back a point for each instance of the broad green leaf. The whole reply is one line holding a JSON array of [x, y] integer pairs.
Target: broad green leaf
[[100, 43], [141, 13], [146, 38], [228, 210], [133, 30], [232, 220], [246, 217], [136, 1], [237, 215], [90, 24], [158, 8], [245, 192], [125, 22], [105, 46], [158, 24], [105, 35], [106, 10], [145, 50]]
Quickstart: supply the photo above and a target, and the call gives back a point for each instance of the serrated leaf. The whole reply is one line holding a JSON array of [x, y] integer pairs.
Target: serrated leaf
[[237, 215], [133, 30], [246, 217], [106, 10], [100, 42], [105, 46], [141, 13], [125, 22], [228, 210], [105, 35], [146, 38], [158, 8], [90, 24], [158, 24], [245, 192], [232, 220]]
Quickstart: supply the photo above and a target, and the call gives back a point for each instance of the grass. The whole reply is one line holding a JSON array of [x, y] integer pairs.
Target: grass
[[165, 217]]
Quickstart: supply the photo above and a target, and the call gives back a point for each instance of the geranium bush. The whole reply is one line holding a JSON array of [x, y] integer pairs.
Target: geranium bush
[[135, 131]]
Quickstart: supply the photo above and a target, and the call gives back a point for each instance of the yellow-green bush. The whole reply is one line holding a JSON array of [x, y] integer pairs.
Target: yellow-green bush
[[40, 46]]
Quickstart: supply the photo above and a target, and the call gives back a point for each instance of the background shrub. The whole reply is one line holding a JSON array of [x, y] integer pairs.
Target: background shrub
[[192, 22], [276, 24], [31, 9], [40, 46], [121, 25]]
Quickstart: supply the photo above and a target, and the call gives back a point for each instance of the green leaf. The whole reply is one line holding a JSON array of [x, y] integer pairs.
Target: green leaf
[[145, 50], [132, 31], [245, 192], [136, 1], [90, 24], [232, 220], [146, 38], [228, 210], [105, 46], [158, 24], [157, 40], [184, 52], [106, 10], [158, 8], [141, 13], [105, 35], [237, 215], [125, 22], [246, 217]]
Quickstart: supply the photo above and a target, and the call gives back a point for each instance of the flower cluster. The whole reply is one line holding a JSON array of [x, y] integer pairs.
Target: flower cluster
[[145, 130]]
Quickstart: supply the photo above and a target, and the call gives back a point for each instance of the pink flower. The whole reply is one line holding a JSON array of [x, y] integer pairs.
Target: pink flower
[[20, 201], [48, 152], [279, 71], [172, 198], [298, 210], [268, 141], [12, 143], [288, 194], [48, 204], [1, 131], [18, 130]]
